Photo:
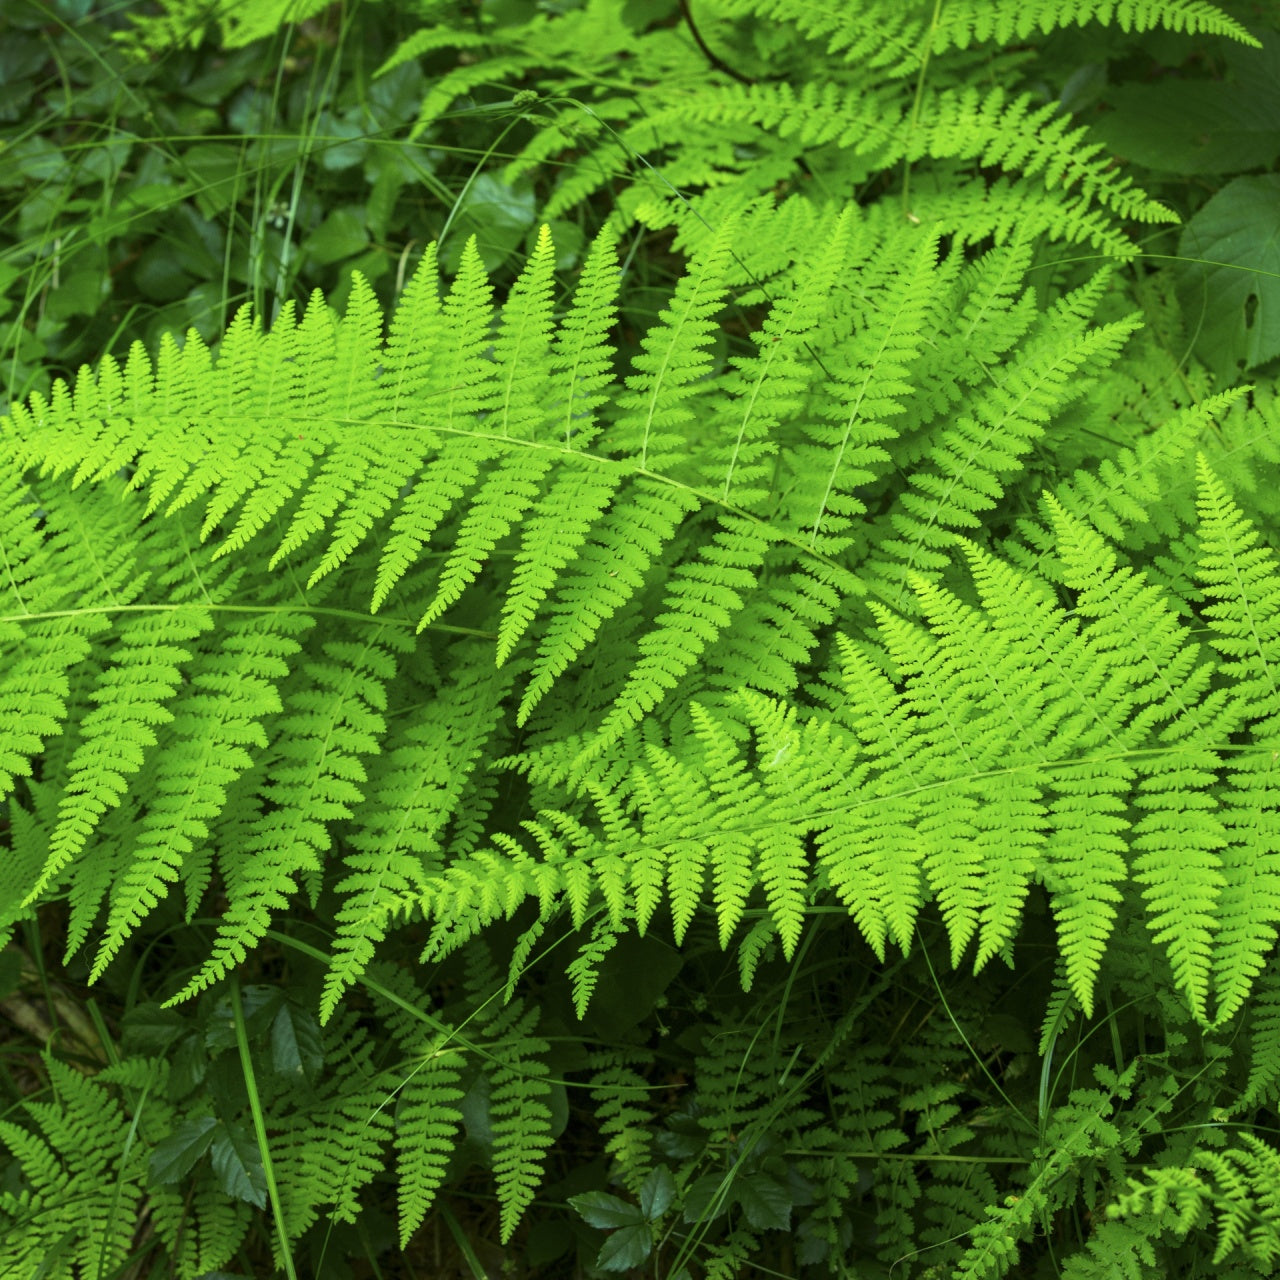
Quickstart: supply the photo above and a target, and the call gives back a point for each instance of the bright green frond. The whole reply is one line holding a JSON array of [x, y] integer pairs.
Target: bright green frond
[[655, 424], [427, 1119], [131, 695], [1243, 581], [1006, 21], [217, 716]]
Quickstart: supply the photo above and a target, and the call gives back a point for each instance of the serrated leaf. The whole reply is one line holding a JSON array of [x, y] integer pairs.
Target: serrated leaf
[[657, 1193], [625, 1249], [765, 1201], [238, 1165], [175, 1156], [340, 235], [296, 1048], [1230, 291], [600, 1209], [1201, 126], [259, 1003], [149, 1029], [704, 1200]]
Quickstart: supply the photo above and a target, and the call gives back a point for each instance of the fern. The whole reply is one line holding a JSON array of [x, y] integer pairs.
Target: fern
[[859, 34], [953, 693], [84, 1156], [1079, 1130], [901, 627], [1239, 1189]]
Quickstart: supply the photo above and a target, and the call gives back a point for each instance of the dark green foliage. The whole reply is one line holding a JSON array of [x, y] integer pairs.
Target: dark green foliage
[[768, 762]]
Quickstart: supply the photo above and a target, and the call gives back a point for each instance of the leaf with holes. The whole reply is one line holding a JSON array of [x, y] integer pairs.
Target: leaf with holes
[[1230, 285]]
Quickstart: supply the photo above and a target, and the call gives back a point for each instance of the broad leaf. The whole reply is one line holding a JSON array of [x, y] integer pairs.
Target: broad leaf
[[175, 1156], [296, 1049], [657, 1193], [625, 1249], [238, 1165], [1201, 126], [1230, 291], [600, 1209], [765, 1201]]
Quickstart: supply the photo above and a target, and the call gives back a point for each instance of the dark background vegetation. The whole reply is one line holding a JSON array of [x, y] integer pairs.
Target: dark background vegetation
[[153, 179]]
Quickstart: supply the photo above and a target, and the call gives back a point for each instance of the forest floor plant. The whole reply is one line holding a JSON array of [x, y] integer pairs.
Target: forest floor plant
[[640, 638]]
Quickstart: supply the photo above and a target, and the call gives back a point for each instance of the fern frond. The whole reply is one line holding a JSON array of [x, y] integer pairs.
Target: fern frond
[[86, 1175], [518, 1091], [609, 569], [427, 1117], [653, 423], [522, 349], [1241, 1190], [1009, 21], [881, 34], [131, 697], [583, 970], [997, 129], [702, 599], [1117, 1251], [42, 574], [201, 1225], [364, 472], [867, 854], [460, 80], [876, 118], [886, 34], [34, 688], [985, 890], [1240, 577], [466, 388], [1078, 1128], [550, 537], [20, 868], [868, 377], [1181, 833], [1121, 492], [1264, 1041], [230, 696], [328, 726], [398, 840], [617, 1090], [966, 470], [428, 40]]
